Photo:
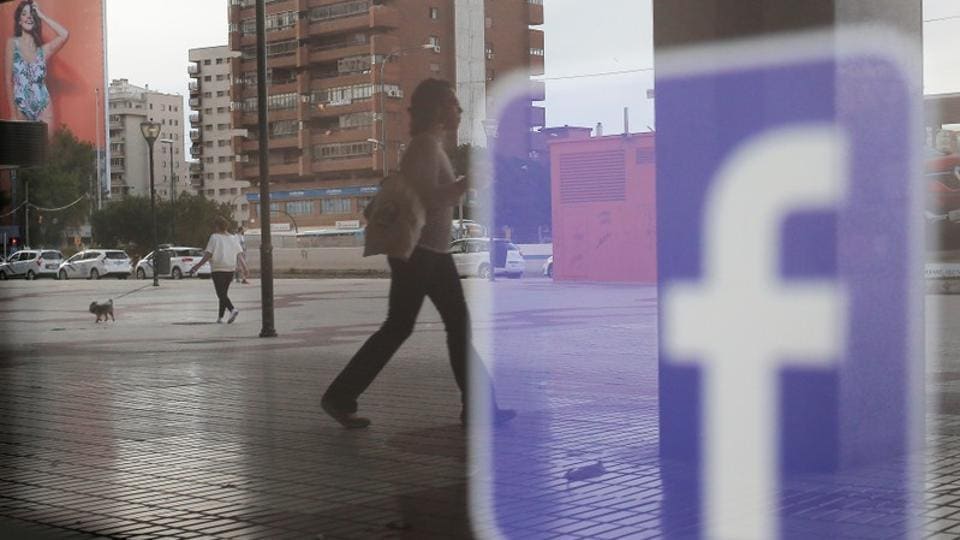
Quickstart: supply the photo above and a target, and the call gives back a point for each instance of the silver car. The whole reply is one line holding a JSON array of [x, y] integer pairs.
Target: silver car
[[31, 264], [95, 264]]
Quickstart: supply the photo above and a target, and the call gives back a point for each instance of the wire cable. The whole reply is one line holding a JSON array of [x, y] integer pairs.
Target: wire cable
[[35, 207]]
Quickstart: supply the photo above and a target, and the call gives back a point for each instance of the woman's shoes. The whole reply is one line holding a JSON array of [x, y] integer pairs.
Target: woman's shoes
[[346, 419]]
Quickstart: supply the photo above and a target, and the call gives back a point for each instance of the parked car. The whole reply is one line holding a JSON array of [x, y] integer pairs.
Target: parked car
[[182, 260], [548, 267], [472, 257], [96, 264], [31, 264]]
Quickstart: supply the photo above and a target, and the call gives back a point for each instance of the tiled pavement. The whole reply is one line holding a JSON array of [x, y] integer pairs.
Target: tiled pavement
[[166, 426]]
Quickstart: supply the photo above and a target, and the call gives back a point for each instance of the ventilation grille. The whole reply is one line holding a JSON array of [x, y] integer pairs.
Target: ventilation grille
[[646, 155], [593, 177]]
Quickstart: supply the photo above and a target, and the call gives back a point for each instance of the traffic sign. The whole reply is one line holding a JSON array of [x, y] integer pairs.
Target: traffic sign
[[786, 221]]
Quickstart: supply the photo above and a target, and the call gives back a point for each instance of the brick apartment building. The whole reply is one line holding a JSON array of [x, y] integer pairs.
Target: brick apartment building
[[326, 97]]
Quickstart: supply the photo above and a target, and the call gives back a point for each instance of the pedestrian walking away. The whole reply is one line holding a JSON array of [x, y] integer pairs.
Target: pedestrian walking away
[[242, 272], [428, 272], [222, 251]]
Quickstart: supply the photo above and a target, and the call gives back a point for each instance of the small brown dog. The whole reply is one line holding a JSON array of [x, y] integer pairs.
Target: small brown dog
[[103, 310]]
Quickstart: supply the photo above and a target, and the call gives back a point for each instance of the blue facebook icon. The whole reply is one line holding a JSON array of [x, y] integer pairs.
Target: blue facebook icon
[[788, 313]]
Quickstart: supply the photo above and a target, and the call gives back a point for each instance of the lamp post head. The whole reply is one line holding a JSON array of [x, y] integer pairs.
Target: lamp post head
[[150, 131]]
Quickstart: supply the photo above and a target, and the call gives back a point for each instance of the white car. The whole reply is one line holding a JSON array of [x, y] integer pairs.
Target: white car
[[548, 267], [472, 257], [182, 260], [31, 264], [96, 264]]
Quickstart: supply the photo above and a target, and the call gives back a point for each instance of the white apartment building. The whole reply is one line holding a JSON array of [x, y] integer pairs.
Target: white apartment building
[[128, 106], [212, 132]]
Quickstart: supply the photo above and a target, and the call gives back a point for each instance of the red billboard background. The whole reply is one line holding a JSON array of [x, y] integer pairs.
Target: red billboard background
[[75, 74]]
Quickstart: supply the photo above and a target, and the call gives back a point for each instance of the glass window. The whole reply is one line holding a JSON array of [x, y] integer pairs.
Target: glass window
[[336, 205]]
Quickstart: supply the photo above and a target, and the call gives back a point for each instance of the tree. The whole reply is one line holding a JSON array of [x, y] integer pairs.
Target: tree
[[127, 223], [67, 177]]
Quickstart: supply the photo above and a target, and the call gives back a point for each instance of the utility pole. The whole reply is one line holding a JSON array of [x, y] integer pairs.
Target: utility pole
[[267, 328]]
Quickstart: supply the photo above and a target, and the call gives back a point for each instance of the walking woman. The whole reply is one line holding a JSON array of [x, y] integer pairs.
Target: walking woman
[[26, 61], [222, 252], [430, 271]]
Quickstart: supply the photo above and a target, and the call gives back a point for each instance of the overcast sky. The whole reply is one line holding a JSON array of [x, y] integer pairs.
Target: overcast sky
[[148, 43]]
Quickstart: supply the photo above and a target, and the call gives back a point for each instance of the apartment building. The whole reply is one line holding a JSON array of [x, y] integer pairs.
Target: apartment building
[[329, 107], [128, 107], [212, 132]]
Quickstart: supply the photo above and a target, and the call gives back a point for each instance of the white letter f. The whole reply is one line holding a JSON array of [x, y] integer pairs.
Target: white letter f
[[743, 322]]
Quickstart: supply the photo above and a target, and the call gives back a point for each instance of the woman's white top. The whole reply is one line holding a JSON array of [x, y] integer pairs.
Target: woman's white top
[[223, 250]]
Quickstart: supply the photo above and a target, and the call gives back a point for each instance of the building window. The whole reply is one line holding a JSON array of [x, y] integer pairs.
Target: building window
[[221, 143], [536, 51], [221, 110], [208, 94], [435, 42], [342, 150], [489, 51], [362, 203], [434, 13], [221, 93], [208, 110], [355, 120], [207, 78], [221, 77], [336, 205], [300, 208], [342, 9], [221, 127], [206, 62], [219, 61]]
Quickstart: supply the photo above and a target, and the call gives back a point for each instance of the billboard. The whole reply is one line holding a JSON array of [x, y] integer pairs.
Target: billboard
[[54, 65]]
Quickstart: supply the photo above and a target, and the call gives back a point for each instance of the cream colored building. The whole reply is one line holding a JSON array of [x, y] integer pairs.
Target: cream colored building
[[211, 128], [129, 105]]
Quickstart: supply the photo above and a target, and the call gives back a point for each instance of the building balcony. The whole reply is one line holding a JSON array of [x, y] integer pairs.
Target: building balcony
[[536, 65], [196, 119], [196, 151], [538, 117], [339, 135], [193, 70], [276, 143], [385, 17], [335, 51], [335, 78], [538, 90], [195, 135], [196, 167], [353, 23], [250, 40], [194, 88], [349, 164], [334, 108], [534, 12], [279, 169], [194, 102], [116, 124]]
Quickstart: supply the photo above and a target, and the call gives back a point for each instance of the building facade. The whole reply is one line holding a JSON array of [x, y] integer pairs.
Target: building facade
[[212, 133], [340, 73], [603, 192], [129, 105]]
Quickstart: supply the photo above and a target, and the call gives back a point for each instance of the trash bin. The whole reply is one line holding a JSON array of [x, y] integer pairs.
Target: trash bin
[[163, 262]]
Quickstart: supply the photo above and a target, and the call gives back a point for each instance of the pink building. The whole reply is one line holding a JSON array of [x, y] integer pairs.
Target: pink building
[[604, 208]]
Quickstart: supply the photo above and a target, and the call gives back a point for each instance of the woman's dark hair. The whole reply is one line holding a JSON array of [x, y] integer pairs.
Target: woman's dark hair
[[427, 99], [221, 224], [18, 30]]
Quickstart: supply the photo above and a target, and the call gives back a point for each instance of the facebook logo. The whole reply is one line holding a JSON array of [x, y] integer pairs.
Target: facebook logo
[[788, 355]]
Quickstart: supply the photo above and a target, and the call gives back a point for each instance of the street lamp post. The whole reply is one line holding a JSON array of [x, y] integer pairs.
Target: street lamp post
[[173, 194], [383, 91], [150, 131]]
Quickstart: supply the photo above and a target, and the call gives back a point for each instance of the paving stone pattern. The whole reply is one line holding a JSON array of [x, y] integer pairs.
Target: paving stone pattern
[[166, 425]]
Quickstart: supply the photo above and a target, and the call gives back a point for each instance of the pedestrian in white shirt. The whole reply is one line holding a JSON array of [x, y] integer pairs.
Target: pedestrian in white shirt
[[242, 273], [222, 251]]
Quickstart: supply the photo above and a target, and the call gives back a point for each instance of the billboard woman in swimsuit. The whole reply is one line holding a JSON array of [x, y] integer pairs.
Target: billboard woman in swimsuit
[[26, 63]]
